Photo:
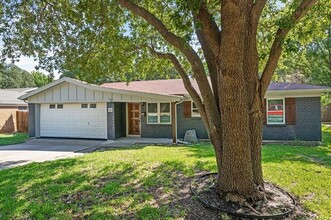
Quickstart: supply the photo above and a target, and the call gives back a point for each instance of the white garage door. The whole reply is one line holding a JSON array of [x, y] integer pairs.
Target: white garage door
[[73, 120]]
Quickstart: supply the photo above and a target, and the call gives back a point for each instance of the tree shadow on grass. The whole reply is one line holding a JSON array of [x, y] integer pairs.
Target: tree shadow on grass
[[159, 193], [120, 190], [308, 155]]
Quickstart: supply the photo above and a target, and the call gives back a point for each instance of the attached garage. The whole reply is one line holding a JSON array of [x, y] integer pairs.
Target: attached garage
[[69, 108], [83, 120]]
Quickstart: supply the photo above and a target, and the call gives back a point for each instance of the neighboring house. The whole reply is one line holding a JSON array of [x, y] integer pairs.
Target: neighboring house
[[159, 109], [9, 104]]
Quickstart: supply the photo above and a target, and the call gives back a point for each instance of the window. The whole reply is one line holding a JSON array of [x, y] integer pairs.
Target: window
[[275, 111], [158, 113], [60, 106], [165, 115], [22, 108], [93, 105], [195, 111], [84, 106], [52, 106], [152, 115]]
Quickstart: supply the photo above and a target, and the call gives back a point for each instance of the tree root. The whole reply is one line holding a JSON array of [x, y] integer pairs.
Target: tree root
[[254, 205], [251, 208], [235, 198]]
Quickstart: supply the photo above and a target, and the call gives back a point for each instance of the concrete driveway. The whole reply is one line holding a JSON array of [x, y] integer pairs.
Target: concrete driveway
[[38, 150]]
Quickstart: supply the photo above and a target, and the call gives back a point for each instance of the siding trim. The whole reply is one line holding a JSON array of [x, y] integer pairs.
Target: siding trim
[[187, 109], [290, 109]]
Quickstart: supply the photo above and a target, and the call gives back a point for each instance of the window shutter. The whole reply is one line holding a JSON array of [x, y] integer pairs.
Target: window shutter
[[265, 112], [290, 111], [187, 109]]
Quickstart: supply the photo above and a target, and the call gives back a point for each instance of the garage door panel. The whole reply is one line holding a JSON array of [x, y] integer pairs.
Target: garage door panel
[[73, 121]]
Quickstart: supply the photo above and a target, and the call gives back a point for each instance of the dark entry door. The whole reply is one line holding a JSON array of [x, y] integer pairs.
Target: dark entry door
[[133, 118]]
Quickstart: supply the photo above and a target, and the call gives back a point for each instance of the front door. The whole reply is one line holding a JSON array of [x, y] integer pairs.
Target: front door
[[133, 118]]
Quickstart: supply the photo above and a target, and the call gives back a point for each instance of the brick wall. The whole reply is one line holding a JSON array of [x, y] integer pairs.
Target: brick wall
[[165, 131], [8, 119], [154, 130], [184, 124], [110, 121], [307, 127]]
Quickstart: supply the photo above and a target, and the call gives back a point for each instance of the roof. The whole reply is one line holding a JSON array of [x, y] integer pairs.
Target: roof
[[294, 86], [96, 87], [176, 86], [173, 88], [10, 96], [165, 87]]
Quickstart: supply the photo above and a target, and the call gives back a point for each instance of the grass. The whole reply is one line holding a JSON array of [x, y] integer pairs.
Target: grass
[[8, 139], [149, 182]]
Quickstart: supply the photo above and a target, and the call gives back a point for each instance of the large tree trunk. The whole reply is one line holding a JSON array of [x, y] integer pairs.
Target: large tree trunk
[[241, 115]]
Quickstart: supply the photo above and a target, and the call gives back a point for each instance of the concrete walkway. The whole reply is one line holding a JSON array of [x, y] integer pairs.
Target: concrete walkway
[[43, 149]]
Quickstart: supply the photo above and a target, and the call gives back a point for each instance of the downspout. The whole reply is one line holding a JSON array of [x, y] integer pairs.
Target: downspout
[[177, 103]]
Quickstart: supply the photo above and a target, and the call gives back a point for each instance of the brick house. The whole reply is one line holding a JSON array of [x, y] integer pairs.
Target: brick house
[[159, 109], [9, 104]]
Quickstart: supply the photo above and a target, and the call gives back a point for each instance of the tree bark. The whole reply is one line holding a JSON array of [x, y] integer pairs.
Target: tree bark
[[236, 180]]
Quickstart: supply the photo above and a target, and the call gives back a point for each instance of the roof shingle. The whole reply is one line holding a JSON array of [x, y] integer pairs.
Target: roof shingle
[[10, 96], [176, 86]]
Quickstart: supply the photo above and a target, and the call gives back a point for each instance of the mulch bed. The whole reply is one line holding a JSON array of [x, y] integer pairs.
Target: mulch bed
[[279, 204]]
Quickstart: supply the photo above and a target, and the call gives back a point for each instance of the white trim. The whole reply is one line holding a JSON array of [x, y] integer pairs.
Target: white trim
[[176, 114], [158, 113], [295, 93], [193, 114], [127, 119], [284, 113]]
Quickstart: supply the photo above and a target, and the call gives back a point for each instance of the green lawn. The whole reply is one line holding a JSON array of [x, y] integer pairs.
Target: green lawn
[[150, 182], [6, 139]]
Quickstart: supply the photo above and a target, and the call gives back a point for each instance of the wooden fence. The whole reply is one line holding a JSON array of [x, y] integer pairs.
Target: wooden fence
[[22, 121]]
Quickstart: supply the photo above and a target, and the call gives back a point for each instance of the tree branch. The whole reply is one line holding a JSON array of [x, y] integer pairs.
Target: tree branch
[[187, 83], [210, 60], [170, 37], [276, 48], [185, 48], [209, 27], [209, 57], [257, 10]]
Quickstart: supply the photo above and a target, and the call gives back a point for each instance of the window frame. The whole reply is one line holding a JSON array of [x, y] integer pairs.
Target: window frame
[[194, 114], [284, 113], [53, 105], [57, 106], [93, 104], [158, 113], [81, 105]]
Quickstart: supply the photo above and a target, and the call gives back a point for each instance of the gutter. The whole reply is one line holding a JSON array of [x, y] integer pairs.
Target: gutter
[[177, 103]]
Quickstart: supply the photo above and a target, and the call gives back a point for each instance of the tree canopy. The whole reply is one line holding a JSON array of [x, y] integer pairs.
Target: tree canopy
[[12, 76], [309, 57], [96, 39], [40, 79]]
